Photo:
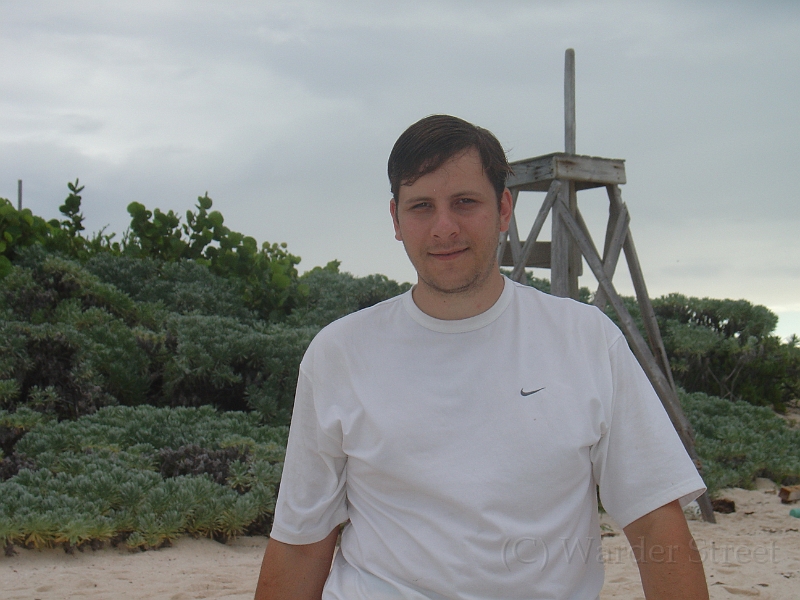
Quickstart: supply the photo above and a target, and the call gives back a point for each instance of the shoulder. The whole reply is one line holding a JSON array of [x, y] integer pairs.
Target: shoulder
[[359, 328], [565, 315]]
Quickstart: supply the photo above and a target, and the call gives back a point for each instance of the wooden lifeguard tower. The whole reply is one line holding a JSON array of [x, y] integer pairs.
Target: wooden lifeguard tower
[[561, 175]]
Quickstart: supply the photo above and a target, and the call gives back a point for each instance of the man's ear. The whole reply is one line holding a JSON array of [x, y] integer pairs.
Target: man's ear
[[393, 211], [506, 208]]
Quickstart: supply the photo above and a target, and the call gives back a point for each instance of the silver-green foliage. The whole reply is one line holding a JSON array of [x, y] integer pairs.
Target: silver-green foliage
[[334, 294], [96, 479], [738, 442], [71, 343], [184, 287]]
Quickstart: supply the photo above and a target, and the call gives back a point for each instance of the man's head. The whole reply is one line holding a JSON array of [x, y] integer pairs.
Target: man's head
[[449, 206], [432, 141]]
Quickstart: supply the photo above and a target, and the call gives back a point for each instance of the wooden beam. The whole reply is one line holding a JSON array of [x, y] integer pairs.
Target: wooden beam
[[502, 246], [667, 395], [513, 236], [614, 239], [536, 228], [569, 101], [559, 246], [575, 262], [646, 307], [539, 258], [637, 342], [504, 235], [642, 296], [536, 174]]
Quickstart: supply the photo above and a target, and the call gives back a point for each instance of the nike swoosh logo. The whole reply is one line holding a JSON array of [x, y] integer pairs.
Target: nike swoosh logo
[[522, 392]]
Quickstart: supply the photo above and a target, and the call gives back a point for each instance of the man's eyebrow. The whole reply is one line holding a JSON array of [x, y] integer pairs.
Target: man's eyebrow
[[466, 193], [459, 194]]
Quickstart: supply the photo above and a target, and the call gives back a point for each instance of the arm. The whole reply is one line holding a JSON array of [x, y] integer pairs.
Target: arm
[[669, 563], [291, 572]]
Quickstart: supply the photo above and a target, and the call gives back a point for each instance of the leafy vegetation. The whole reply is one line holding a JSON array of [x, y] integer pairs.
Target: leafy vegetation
[[266, 277], [739, 442], [726, 348], [17, 230], [140, 476], [146, 383]]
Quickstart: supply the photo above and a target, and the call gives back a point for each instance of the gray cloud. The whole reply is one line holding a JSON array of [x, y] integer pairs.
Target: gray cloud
[[285, 112]]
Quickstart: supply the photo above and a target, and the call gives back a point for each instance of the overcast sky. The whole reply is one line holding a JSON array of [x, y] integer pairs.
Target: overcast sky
[[285, 112]]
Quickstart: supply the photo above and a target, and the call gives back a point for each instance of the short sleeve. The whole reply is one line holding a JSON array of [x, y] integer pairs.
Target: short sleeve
[[312, 499], [640, 463]]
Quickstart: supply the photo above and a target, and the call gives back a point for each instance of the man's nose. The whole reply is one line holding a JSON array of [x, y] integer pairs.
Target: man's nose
[[445, 224]]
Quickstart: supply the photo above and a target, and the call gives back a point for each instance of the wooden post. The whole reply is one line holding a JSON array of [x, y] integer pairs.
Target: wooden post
[[569, 101], [513, 232], [616, 234], [559, 246], [661, 385], [19, 195], [574, 267], [573, 257], [642, 296], [518, 274], [504, 235]]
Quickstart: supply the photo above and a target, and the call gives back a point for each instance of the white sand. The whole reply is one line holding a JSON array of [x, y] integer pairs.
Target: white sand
[[754, 552]]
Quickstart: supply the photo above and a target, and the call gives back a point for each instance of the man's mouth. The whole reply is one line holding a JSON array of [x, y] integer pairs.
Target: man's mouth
[[448, 254]]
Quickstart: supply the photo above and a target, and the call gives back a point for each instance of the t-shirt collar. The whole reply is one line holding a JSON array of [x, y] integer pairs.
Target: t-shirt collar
[[460, 325]]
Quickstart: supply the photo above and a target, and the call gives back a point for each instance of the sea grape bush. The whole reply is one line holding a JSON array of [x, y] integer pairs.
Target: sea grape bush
[[183, 287], [267, 275], [18, 229], [21, 229], [141, 476]]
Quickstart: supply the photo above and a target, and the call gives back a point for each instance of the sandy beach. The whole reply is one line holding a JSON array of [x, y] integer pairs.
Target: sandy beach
[[754, 552]]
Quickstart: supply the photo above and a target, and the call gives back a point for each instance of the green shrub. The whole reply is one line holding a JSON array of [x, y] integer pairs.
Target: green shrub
[[71, 343], [267, 275], [183, 287], [18, 229], [738, 442], [224, 362], [333, 294], [725, 348], [98, 478]]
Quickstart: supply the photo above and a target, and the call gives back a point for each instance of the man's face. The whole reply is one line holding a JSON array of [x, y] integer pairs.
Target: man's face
[[449, 223]]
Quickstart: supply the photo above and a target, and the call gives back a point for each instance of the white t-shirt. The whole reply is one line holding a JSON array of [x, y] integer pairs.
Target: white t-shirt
[[466, 454]]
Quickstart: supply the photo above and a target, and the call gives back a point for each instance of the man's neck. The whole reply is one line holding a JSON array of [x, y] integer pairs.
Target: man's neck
[[452, 306]]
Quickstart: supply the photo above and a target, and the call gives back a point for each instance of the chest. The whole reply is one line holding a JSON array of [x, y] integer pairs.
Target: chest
[[461, 412]]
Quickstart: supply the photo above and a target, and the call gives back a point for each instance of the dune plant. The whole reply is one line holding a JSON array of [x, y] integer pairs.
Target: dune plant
[[141, 476], [738, 442]]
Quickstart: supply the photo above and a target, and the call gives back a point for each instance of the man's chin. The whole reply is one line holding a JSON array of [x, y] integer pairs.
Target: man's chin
[[446, 286]]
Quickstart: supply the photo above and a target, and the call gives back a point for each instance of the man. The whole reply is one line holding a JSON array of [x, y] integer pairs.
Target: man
[[461, 430]]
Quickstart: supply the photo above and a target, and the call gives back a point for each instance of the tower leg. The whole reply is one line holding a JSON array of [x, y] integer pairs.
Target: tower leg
[[559, 245]]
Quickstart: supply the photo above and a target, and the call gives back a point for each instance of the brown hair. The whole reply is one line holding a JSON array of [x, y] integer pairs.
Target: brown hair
[[432, 141]]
